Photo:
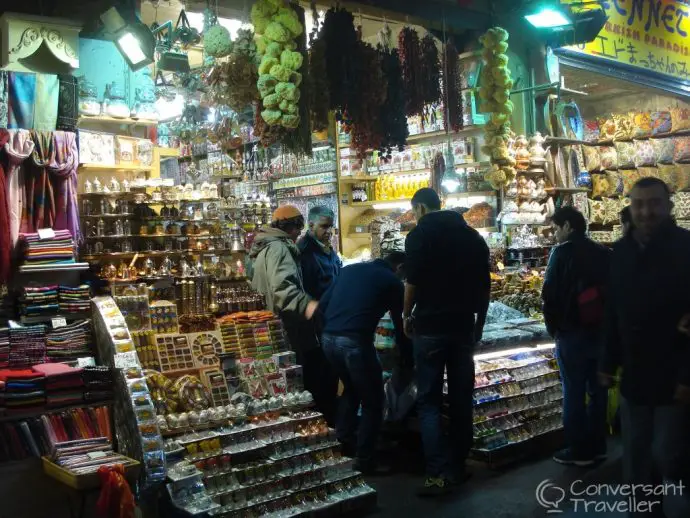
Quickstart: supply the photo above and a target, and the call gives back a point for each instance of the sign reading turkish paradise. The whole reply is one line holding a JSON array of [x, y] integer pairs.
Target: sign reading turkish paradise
[[648, 34]]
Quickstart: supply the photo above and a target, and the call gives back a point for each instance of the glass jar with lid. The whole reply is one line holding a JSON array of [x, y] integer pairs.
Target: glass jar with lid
[[88, 98], [114, 103]]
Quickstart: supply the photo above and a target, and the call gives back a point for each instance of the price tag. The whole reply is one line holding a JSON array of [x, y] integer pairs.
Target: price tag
[[89, 361], [46, 233], [58, 322], [126, 360], [500, 266], [93, 455]]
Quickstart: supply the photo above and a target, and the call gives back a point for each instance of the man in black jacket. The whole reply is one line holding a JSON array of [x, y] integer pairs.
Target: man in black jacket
[[352, 308], [646, 334], [448, 285], [577, 274]]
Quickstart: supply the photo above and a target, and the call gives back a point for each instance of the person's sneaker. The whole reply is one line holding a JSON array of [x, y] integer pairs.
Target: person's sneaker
[[459, 478], [434, 487], [569, 459]]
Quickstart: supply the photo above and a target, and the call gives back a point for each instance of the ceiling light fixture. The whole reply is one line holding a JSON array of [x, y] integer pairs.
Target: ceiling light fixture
[[547, 18], [133, 39]]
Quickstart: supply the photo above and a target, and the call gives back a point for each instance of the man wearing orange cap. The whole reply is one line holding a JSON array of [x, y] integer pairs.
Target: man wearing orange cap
[[278, 277]]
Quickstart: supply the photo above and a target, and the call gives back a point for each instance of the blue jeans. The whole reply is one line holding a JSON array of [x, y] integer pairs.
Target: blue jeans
[[584, 421], [655, 439], [357, 365], [433, 356]]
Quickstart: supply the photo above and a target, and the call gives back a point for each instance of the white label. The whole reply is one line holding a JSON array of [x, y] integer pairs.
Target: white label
[[126, 360], [95, 455], [58, 322], [46, 233], [89, 361]]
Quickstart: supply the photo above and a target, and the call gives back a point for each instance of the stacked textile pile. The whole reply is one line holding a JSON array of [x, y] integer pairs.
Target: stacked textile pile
[[39, 300], [24, 390], [69, 342], [98, 383], [27, 346], [63, 384], [4, 347], [38, 436], [56, 250], [75, 300]]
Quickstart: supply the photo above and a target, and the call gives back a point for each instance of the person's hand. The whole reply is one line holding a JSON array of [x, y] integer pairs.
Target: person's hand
[[682, 394], [684, 324], [606, 380], [311, 309], [408, 328]]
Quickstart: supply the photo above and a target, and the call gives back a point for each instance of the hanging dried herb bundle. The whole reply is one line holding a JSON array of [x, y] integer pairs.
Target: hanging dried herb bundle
[[340, 40], [242, 76], [366, 132], [318, 89], [394, 130], [411, 59], [267, 135], [452, 95], [430, 71], [298, 141]]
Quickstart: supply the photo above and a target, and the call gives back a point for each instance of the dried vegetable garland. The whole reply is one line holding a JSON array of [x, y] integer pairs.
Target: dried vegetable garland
[[318, 75], [364, 124], [341, 44], [430, 71], [392, 113], [452, 93], [279, 79], [410, 51], [494, 93]]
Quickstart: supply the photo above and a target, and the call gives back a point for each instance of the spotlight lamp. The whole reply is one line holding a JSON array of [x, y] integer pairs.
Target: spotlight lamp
[[133, 39], [568, 24]]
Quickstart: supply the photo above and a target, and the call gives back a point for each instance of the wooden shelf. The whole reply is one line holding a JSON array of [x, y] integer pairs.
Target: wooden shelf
[[470, 193], [168, 152], [118, 167], [105, 119], [37, 319], [371, 203], [54, 268], [566, 189], [52, 410], [441, 133]]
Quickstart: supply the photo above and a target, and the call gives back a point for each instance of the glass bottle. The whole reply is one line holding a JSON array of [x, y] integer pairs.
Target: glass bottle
[[127, 228], [118, 228], [100, 227]]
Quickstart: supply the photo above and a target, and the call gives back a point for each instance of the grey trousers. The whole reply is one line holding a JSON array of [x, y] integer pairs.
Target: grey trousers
[[656, 439]]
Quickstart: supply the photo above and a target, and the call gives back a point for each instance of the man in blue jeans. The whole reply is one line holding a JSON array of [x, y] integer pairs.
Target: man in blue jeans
[[352, 308], [446, 300], [573, 294]]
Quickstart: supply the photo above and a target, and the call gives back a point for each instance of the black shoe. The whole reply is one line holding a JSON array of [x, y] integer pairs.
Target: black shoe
[[459, 478], [567, 457], [372, 469], [434, 487]]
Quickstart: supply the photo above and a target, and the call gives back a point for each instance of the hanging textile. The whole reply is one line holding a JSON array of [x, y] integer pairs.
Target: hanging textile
[[18, 148], [68, 103], [5, 257], [63, 175], [39, 209], [116, 499], [3, 98], [33, 101]]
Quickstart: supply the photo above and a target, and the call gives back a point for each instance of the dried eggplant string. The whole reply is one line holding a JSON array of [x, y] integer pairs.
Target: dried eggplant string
[[451, 85], [431, 76], [318, 89], [392, 113]]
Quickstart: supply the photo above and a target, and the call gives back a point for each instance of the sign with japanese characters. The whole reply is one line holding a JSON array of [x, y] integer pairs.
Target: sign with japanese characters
[[647, 34]]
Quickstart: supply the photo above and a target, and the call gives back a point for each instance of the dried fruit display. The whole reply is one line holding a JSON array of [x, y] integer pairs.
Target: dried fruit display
[[394, 131], [430, 71], [410, 51], [451, 85]]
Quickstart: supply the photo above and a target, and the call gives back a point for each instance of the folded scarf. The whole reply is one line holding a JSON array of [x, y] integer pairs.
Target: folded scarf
[[18, 149]]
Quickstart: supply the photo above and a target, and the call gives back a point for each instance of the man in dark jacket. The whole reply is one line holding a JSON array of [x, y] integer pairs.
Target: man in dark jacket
[[649, 300], [320, 263], [448, 285], [352, 308], [577, 274]]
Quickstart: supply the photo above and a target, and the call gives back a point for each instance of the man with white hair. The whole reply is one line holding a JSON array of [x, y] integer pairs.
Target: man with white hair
[[320, 266]]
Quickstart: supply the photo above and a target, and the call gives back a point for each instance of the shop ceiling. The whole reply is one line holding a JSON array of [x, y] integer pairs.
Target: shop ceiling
[[459, 16]]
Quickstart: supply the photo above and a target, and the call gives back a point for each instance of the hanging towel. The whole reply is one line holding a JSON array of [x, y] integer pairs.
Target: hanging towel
[[46, 106], [39, 210], [5, 257], [63, 171], [4, 98], [22, 95], [18, 148], [68, 103]]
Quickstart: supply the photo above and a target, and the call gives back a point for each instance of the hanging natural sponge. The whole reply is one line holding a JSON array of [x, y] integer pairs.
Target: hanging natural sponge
[[291, 60], [288, 18], [217, 41], [277, 32]]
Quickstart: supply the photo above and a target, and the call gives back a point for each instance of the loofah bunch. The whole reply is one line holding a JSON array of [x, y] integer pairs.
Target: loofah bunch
[[217, 41], [276, 28], [494, 94]]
